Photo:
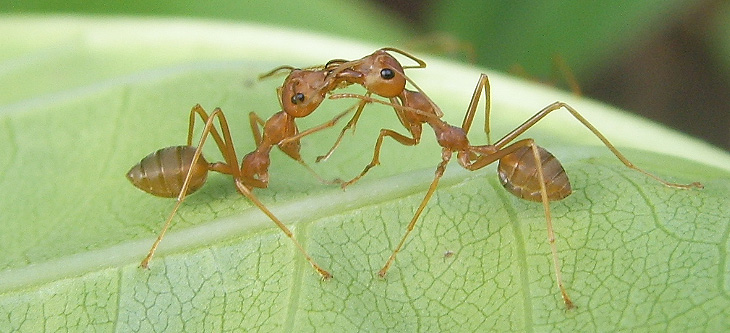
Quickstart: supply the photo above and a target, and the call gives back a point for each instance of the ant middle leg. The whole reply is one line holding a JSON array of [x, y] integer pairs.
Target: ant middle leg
[[350, 125], [291, 146]]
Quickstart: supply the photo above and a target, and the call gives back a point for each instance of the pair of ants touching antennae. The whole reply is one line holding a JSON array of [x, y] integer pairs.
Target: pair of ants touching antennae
[[525, 169]]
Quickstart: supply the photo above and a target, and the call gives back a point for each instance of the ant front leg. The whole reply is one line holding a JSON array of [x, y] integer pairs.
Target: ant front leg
[[290, 145], [350, 124], [281, 127], [411, 118]]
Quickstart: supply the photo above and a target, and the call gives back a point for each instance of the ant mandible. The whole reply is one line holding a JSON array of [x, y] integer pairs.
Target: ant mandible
[[526, 170], [181, 170]]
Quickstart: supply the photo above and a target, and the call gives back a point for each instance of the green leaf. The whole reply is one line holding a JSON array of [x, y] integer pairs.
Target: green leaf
[[84, 99]]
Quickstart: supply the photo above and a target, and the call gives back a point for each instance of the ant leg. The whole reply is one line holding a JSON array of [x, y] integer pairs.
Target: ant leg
[[290, 145], [146, 261], [255, 121], [482, 85], [557, 105], [549, 222], [292, 151], [197, 109], [490, 157], [445, 158], [395, 106], [402, 139], [247, 192], [325, 125], [228, 154], [350, 124]]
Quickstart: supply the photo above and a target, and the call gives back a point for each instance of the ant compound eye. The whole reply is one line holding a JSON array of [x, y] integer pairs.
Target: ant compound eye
[[297, 98], [387, 73]]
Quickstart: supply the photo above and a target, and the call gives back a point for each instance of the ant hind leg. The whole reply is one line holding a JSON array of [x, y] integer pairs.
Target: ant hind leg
[[558, 105]]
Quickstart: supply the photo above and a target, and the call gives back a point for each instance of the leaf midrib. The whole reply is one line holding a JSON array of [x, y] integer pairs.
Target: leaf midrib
[[303, 210]]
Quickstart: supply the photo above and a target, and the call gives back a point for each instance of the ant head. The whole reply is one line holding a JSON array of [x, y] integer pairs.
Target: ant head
[[383, 74], [303, 91]]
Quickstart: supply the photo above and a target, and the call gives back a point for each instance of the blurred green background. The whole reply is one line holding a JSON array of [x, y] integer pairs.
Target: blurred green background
[[668, 60]]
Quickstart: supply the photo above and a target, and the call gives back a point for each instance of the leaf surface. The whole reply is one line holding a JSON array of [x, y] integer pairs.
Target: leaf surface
[[86, 102]]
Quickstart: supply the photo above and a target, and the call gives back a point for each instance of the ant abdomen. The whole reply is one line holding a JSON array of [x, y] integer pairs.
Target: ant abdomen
[[163, 172], [518, 174]]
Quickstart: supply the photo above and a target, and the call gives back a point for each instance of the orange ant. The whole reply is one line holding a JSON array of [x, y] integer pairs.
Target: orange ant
[[381, 74], [181, 170], [525, 169]]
